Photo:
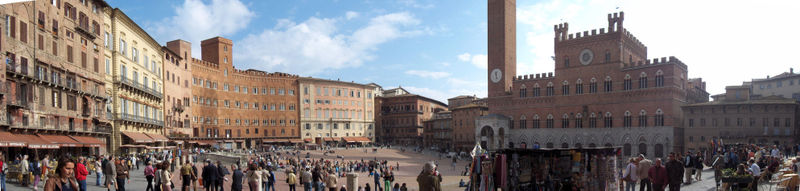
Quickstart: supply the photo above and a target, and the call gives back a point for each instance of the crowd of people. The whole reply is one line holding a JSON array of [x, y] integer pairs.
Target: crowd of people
[[759, 162]]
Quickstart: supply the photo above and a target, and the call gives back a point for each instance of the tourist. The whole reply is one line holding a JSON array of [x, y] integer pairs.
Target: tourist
[[641, 171], [403, 187], [658, 174], [675, 172], [36, 170], [377, 177], [186, 176], [688, 165], [629, 175], [254, 178], [2, 172], [291, 179], [396, 187], [270, 179], [111, 173], [63, 180], [717, 165], [80, 173], [134, 161], [427, 180], [194, 176], [24, 169], [317, 176], [756, 172], [210, 176], [698, 166], [264, 177], [388, 178], [306, 179], [237, 177], [166, 177], [98, 167], [122, 174], [331, 181], [149, 174], [366, 187], [159, 169], [221, 173]]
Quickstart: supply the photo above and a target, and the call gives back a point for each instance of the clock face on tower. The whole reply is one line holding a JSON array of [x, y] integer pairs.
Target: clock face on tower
[[496, 75], [586, 56]]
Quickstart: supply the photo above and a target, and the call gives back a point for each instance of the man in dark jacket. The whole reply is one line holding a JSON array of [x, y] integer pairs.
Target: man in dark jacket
[[210, 176], [674, 173], [688, 165], [427, 180], [221, 173], [237, 178], [658, 175]]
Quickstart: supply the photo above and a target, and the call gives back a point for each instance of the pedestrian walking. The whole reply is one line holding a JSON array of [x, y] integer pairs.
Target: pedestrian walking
[[111, 173], [427, 180], [236, 178], [221, 173], [210, 176], [166, 178], [717, 165], [98, 167], [80, 173], [186, 176], [642, 171], [307, 179], [658, 174], [331, 181], [675, 172], [688, 165], [253, 178], [291, 179], [698, 166], [630, 176], [122, 174]]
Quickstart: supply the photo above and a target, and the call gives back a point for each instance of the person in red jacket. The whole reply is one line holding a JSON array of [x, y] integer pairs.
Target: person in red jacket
[[658, 174], [81, 172]]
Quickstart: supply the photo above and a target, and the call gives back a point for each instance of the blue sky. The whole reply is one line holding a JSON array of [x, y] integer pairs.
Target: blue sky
[[438, 48]]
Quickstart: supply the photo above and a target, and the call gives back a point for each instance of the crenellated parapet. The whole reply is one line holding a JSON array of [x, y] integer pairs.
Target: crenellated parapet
[[205, 63], [539, 76], [653, 62]]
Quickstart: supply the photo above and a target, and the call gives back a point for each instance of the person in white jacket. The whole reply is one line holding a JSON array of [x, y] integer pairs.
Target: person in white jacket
[[630, 176]]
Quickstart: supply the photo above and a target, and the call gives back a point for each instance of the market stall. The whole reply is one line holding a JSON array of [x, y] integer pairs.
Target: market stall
[[546, 169]]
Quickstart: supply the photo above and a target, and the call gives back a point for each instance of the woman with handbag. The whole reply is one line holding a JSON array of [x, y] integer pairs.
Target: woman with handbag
[[254, 178], [64, 178]]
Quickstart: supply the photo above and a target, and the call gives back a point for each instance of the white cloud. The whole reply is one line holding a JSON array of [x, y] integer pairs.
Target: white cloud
[[316, 44], [415, 4], [195, 20], [428, 74], [479, 60], [351, 15]]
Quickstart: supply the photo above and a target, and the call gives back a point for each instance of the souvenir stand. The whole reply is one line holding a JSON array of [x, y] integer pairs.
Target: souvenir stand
[[546, 169]]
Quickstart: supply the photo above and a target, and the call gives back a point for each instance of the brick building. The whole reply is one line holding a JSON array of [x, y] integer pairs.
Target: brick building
[[240, 108], [177, 72], [438, 131], [134, 81], [464, 117], [331, 110], [401, 116], [52, 86], [603, 92]]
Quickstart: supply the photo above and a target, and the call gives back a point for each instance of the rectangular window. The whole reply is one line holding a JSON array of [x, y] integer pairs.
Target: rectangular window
[[69, 53], [23, 32]]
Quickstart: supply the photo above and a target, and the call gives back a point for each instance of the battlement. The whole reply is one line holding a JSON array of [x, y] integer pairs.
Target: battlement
[[539, 76], [259, 73], [654, 61], [205, 63], [633, 39]]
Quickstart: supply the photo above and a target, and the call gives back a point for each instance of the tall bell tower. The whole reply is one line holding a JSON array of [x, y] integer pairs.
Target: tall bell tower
[[502, 46]]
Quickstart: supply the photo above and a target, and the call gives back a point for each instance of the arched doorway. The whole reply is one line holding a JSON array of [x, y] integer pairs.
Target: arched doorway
[[550, 145], [564, 145], [643, 149], [626, 149], [607, 145], [592, 145], [578, 145], [487, 137], [523, 145], [659, 150]]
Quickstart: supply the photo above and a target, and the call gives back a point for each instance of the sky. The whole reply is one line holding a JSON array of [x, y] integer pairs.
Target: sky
[[437, 48]]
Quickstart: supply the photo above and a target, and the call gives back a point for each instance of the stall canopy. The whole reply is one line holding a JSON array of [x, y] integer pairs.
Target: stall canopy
[[328, 139], [295, 141], [11, 140], [202, 142], [34, 142], [157, 137], [133, 146], [89, 141], [356, 139], [138, 137], [61, 140], [308, 140]]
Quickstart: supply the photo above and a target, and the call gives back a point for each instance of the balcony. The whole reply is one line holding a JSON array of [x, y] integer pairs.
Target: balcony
[[3, 88], [17, 69], [137, 86], [19, 103], [139, 119], [86, 31]]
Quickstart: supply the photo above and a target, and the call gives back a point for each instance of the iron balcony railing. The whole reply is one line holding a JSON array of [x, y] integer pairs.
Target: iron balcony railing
[[137, 85]]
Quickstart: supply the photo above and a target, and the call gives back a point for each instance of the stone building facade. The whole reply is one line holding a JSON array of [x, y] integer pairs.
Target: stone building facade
[[464, 124], [134, 81], [52, 86], [335, 109], [177, 73], [240, 108], [736, 117], [786, 84], [438, 131], [401, 116], [602, 79]]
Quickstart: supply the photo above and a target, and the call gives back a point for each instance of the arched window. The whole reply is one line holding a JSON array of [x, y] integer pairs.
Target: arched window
[[593, 85], [659, 118], [592, 120], [550, 90], [627, 121], [608, 120], [535, 121], [579, 120], [523, 91], [565, 121], [643, 118], [659, 78], [627, 83], [607, 84], [579, 87], [549, 122], [565, 88], [523, 122], [643, 149], [659, 150], [642, 80], [564, 145], [536, 92]]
